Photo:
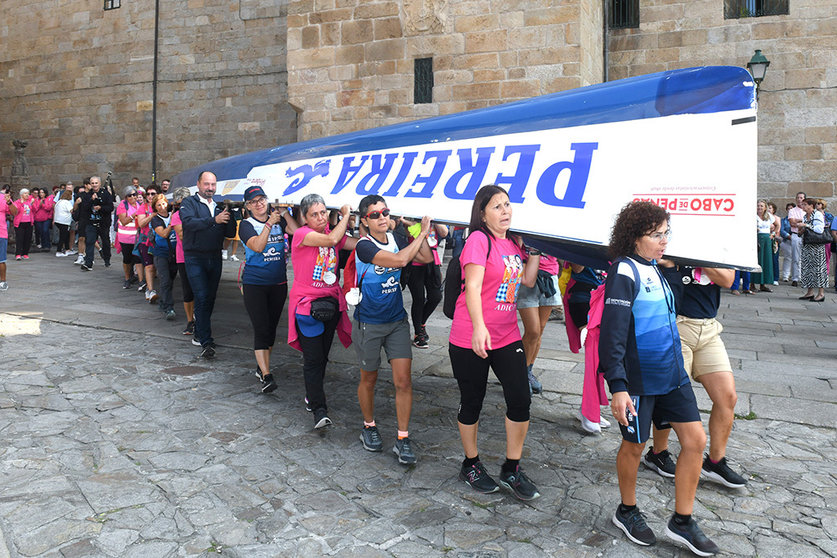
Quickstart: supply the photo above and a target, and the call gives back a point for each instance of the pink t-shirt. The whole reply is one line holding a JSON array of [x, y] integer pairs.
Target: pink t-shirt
[[503, 276], [796, 213], [25, 211], [4, 211], [178, 249], [550, 264]]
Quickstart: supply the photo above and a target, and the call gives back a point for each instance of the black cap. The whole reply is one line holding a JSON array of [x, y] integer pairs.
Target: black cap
[[253, 192]]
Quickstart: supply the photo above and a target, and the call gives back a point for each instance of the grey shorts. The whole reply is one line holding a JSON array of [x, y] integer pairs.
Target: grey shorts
[[368, 339], [532, 297]]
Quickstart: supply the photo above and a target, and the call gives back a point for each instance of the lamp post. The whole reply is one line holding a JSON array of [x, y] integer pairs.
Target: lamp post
[[757, 66]]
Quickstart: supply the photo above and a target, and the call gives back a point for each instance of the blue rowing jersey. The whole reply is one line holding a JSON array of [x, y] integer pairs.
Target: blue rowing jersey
[[380, 287], [268, 266]]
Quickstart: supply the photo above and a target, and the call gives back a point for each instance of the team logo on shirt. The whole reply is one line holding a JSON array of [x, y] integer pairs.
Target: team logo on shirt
[[511, 279]]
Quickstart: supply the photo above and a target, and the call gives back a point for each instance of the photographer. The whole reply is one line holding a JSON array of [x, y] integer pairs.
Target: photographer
[[96, 208]]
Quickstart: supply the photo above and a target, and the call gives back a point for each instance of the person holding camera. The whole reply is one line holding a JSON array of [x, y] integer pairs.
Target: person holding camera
[[317, 306], [95, 211]]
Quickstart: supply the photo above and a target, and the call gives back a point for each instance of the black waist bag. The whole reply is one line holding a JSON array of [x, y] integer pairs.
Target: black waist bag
[[324, 309]]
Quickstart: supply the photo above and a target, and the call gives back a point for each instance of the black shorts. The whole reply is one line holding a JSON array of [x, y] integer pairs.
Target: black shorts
[[678, 405]]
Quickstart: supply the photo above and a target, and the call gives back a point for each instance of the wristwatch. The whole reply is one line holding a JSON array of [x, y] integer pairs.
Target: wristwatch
[[534, 252]]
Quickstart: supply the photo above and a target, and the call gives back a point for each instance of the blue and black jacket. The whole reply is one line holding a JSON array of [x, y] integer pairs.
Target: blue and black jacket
[[639, 346]]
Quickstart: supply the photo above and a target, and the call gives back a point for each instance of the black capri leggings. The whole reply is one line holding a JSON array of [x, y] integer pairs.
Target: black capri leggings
[[128, 257], [264, 304], [188, 295], [63, 237], [471, 373], [424, 279]]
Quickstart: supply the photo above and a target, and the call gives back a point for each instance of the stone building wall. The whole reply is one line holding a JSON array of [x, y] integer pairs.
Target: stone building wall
[[798, 98], [76, 82], [350, 62]]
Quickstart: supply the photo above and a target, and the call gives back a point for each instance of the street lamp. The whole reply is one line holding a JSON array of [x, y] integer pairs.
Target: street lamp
[[757, 66]]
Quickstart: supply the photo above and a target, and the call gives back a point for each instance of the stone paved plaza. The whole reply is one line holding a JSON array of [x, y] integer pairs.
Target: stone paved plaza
[[117, 440]]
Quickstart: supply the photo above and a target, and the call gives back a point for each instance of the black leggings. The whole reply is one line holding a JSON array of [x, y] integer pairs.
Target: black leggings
[[424, 278], [264, 304], [188, 295], [314, 360], [63, 237], [471, 373], [23, 239]]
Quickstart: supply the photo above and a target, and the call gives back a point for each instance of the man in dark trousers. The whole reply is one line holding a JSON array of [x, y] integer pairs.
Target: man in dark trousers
[[95, 210], [205, 225]]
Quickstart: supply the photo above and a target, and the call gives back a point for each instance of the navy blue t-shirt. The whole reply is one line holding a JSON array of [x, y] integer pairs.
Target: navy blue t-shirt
[[380, 287], [267, 267], [693, 299]]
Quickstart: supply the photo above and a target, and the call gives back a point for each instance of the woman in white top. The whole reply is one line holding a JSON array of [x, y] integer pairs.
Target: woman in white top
[[764, 226], [814, 270], [62, 218]]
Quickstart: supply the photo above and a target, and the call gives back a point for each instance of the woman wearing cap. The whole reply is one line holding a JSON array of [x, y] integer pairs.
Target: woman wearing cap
[[314, 259], [264, 280]]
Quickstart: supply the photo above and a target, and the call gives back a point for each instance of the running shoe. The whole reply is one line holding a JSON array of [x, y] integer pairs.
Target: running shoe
[[661, 463], [126, 284], [534, 385], [478, 478], [151, 296], [519, 484], [371, 439], [420, 342], [60, 255], [17, 258], [234, 258], [141, 286], [403, 449], [588, 425], [196, 343], [321, 419], [26, 257], [721, 473], [692, 537], [223, 254], [4, 286], [633, 524], [170, 315], [189, 329], [79, 260], [208, 352], [85, 267], [268, 383]]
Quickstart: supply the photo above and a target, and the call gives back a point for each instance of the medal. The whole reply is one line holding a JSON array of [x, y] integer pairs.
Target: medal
[[329, 278]]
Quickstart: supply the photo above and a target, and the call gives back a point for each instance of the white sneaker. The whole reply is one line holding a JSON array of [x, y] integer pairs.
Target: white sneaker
[[588, 425], [234, 258], [604, 423], [223, 254], [4, 286], [60, 255], [71, 252], [79, 260], [150, 296]]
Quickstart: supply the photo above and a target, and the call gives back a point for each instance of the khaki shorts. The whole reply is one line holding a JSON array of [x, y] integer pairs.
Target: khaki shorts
[[369, 339], [703, 350]]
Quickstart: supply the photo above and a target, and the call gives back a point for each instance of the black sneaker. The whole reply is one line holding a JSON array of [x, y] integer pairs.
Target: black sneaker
[[420, 342], [478, 478], [692, 537], [85, 267], [661, 463], [142, 286], [321, 419], [370, 439], [190, 326], [208, 352], [134, 279], [633, 524], [126, 284], [519, 484], [721, 473], [268, 383], [404, 450]]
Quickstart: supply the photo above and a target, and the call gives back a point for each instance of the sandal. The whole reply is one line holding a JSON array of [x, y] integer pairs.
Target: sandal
[[735, 292]]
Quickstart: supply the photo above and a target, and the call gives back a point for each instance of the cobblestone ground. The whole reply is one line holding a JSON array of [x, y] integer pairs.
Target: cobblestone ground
[[117, 440]]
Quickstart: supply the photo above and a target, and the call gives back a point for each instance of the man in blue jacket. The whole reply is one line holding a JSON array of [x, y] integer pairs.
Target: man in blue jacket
[[205, 225]]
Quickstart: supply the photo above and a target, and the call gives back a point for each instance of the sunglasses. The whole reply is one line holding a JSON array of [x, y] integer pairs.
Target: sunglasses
[[131, 195], [377, 214]]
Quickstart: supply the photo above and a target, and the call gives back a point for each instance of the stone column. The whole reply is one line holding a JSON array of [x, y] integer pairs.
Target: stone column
[[20, 169]]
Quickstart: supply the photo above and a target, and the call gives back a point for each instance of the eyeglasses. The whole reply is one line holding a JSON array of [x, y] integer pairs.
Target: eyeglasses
[[377, 214], [258, 201], [658, 237]]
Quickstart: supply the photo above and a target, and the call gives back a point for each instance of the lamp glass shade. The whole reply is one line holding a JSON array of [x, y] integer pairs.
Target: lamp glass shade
[[758, 66]]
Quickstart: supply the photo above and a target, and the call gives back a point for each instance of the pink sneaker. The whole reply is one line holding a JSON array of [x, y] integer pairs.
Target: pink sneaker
[[25, 257]]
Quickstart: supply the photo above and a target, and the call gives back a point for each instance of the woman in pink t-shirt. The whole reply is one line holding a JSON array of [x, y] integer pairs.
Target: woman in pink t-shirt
[[188, 296], [485, 334], [24, 222], [314, 259]]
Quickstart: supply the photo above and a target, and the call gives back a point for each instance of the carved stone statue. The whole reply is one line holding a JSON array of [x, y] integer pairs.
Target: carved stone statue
[[424, 16], [19, 166]]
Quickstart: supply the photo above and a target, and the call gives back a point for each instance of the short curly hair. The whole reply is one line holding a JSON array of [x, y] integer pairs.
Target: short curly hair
[[636, 219]]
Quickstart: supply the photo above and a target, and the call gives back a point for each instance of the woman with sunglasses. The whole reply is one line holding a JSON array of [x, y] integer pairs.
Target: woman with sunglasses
[[314, 259], [264, 280], [382, 322], [485, 334], [132, 215], [641, 358]]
